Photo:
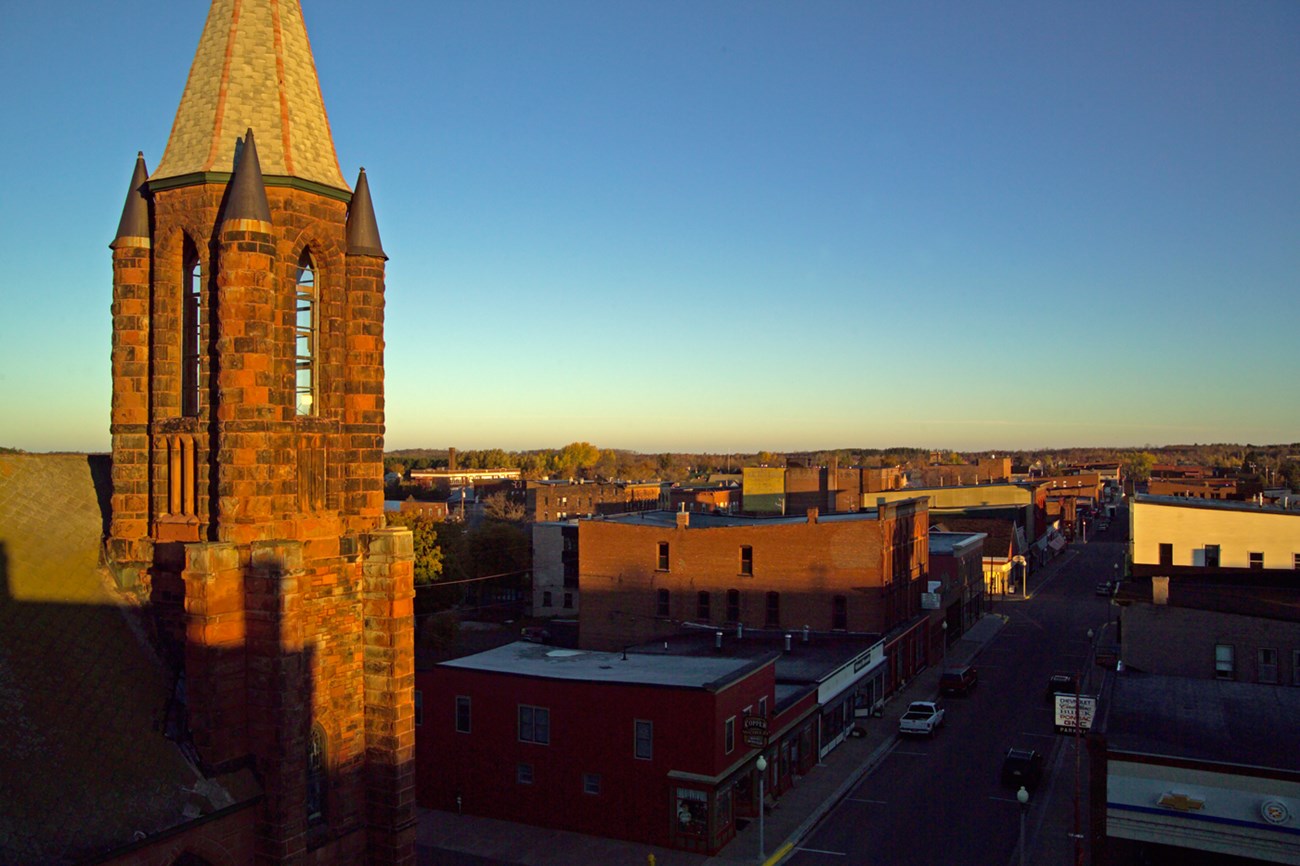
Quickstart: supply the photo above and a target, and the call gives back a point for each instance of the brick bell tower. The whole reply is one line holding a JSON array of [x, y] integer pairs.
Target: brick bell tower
[[247, 430]]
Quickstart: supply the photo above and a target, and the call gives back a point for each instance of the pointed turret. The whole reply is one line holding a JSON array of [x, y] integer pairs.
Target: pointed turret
[[133, 228], [253, 67], [247, 199], [363, 231]]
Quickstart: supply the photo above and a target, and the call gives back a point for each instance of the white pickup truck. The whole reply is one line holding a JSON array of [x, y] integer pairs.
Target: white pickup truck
[[922, 717]]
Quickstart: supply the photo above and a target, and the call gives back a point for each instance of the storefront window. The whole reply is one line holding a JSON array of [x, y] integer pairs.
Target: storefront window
[[692, 812]]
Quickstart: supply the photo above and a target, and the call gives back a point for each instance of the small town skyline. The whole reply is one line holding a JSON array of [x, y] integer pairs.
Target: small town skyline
[[735, 226]]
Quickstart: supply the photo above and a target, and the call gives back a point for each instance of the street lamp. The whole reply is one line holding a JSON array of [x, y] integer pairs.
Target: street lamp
[[761, 766], [1022, 797]]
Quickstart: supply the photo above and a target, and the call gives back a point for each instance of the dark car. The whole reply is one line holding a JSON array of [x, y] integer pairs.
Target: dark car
[[958, 681], [1057, 684], [1105, 588], [1022, 767]]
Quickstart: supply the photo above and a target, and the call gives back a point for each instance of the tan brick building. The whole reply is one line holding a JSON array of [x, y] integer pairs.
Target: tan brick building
[[247, 432], [647, 576]]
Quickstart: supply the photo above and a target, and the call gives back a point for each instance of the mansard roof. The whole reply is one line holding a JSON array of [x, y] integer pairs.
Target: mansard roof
[[253, 68]]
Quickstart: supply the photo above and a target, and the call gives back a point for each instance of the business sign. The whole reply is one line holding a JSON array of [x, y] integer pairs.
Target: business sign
[[755, 731], [1066, 713]]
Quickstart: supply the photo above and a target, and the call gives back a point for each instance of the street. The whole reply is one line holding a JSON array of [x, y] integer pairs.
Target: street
[[938, 800]]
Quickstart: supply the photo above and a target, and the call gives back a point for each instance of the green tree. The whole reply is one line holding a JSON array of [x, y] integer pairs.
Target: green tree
[[1137, 465], [428, 553]]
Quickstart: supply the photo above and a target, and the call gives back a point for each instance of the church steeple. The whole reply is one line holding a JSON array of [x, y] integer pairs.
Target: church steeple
[[253, 68], [133, 228], [247, 199]]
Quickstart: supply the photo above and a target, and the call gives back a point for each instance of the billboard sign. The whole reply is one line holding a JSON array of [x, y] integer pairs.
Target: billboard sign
[[1066, 713]]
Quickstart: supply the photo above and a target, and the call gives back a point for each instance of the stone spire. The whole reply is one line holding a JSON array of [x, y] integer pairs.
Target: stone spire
[[253, 68], [363, 231], [247, 200], [134, 225]]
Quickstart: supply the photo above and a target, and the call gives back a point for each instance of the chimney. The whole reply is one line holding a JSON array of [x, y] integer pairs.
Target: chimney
[[787, 642], [740, 631], [717, 640], [1160, 590], [683, 519], [451, 459], [812, 515], [805, 634]]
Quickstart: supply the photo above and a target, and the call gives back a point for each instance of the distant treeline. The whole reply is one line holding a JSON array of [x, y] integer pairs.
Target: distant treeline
[[1275, 463]]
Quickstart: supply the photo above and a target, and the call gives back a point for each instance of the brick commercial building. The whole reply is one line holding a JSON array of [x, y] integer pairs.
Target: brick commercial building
[[511, 734], [247, 436], [645, 576], [561, 500]]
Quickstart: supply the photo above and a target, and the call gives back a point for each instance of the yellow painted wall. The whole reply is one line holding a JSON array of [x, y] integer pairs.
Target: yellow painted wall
[[1237, 531], [957, 497]]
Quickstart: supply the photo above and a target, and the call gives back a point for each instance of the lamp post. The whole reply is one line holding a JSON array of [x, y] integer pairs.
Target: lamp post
[[761, 766], [943, 636], [1022, 797]]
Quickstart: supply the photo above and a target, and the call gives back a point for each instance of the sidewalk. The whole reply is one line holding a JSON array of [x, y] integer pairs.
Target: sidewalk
[[444, 838]]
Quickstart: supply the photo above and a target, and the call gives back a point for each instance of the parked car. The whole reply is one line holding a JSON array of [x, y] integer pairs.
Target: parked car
[[1058, 683], [958, 681], [922, 717], [1022, 767], [1106, 588]]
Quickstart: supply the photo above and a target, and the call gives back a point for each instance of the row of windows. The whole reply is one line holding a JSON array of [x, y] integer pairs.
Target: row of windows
[[535, 725], [771, 608], [1254, 558], [746, 565], [547, 599], [305, 330], [1266, 664], [590, 781]]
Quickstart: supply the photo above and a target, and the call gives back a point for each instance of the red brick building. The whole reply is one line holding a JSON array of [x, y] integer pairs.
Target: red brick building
[[247, 436], [645, 576], [561, 500], [511, 735]]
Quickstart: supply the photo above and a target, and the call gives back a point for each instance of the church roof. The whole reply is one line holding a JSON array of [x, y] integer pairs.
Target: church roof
[[253, 69]]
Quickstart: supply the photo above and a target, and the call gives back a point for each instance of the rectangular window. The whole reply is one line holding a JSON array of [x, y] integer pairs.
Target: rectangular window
[[1257, 559], [840, 613], [643, 739], [663, 556], [419, 708], [546, 599], [1225, 667], [729, 735], [1295, 561], [1211, 556], [462, 714], [747, 560], [568, 601], [733, 605], [773, 610], [661, 604], [1166, 554], [534, 725], [591, 783], [1267, 672], [702, 607], [524, 774]]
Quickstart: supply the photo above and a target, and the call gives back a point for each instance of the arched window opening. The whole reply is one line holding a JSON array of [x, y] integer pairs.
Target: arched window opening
[[305, 337], [191, 331], [316, 778]]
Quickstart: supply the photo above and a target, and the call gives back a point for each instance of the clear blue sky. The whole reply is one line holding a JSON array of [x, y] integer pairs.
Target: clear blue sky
[[725, 225]]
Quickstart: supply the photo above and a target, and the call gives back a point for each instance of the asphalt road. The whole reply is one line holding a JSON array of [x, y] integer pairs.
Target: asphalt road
[[938, 800]]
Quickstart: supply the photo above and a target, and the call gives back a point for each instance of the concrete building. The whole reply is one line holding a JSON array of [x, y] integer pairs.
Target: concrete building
[[1176, 535], [555, 568]]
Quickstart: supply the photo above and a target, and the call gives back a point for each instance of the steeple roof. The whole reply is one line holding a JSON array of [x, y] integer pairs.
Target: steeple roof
[[253, 68]]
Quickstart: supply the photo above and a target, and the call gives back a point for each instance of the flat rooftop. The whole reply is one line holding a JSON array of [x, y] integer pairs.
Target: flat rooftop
[[951, 542], [806, 663], [1205, 720], [702, 520], [523, 658], [1211, 504]]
